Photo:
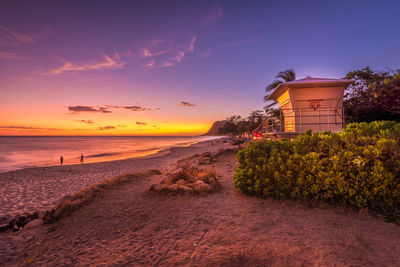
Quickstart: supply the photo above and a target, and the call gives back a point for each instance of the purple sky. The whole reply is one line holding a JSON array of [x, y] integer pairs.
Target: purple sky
[[173, 67]]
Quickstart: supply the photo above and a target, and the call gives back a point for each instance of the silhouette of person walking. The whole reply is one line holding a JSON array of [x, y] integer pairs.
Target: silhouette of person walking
[[81, 158], [61, 160]]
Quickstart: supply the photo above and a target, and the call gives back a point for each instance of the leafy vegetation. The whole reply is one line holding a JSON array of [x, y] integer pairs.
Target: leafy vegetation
[[359, 167], [236, 125], [373, 96]]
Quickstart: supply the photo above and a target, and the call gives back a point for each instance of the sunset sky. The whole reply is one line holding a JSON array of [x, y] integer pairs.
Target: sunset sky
[[173, 67]]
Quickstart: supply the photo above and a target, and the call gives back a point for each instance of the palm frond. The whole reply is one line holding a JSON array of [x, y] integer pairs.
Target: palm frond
[[287, 75], [272, 86]]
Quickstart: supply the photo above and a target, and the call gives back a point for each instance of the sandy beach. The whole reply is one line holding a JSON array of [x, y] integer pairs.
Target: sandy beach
[[39, 188], [127, 226]]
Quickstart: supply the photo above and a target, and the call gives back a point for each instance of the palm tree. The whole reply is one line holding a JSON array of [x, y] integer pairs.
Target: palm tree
[[283, 76]]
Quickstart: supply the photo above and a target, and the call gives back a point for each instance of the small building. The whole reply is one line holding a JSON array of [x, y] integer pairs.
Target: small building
[[310, 103]]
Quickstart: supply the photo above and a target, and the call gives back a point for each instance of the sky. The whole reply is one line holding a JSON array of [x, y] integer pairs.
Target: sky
[[173, 67]]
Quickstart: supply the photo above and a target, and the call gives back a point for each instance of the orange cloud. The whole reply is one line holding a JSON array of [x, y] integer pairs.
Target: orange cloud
[[107, 128]]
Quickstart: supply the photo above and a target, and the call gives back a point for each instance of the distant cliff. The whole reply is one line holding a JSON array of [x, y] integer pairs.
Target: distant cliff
[[214, 130]]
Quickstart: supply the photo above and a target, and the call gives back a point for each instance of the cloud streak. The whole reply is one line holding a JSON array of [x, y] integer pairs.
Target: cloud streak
[[136, 108], [177, 58], [103, 109], [108, 62], [109, 127], [187, 104], [9, 55], [168, 50], [140, 123], [28, 128], [86, 121], [191, 45], [10, 37], [79, 109]]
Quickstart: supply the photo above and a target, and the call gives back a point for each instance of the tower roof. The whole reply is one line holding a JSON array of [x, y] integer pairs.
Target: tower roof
[[306, 82]]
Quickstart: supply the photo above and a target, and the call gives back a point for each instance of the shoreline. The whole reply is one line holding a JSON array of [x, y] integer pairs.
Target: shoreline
[[154, 153], [39, 188]]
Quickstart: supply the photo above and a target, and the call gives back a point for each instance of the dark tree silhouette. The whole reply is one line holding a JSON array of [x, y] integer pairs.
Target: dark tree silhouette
[[283, 76]]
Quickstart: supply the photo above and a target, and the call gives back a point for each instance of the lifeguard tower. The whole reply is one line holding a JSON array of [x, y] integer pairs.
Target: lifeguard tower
[[310, 103]]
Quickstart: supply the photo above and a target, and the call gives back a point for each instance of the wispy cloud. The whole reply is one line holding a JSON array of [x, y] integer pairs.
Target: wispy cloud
[[9, 55], [140, 123], [169, 50], [108, 62], [10, 37], [79, 109], [146, 53], [136, 108], [109, 127], [179, 56], [27, 128], [167, 64], [187, 104], [191, 45], [86, 121], [150, 64], [103, 109]]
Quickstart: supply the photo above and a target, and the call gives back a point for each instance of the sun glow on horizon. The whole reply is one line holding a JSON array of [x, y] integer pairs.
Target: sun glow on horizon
[[141, 129]]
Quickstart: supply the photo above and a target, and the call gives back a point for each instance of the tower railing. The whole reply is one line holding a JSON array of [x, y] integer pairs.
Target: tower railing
[[302, 119]]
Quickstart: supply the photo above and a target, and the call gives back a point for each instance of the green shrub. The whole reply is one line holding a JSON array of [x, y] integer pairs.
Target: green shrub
[[359, 167]]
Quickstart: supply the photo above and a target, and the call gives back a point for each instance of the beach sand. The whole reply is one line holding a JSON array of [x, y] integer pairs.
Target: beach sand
[[127, 226], [39, 188]]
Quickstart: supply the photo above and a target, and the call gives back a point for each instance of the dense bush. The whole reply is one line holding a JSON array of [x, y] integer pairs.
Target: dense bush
[[359, 167]]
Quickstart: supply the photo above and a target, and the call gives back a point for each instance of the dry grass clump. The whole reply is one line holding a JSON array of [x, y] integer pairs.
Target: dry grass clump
[[68, 204], [188, 180]]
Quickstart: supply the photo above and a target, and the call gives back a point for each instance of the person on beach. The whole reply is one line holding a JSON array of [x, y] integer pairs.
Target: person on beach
[[81, 158], [61, 160]]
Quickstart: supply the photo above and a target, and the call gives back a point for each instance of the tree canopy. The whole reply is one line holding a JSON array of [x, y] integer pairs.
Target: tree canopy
[[372, 96], [236, 125]]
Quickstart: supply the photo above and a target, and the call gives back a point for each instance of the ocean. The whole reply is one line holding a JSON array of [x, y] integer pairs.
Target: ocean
[[18, 152]]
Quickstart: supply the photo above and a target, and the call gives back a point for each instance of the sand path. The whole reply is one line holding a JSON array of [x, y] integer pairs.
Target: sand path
[[33, 189], [127, 227]]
